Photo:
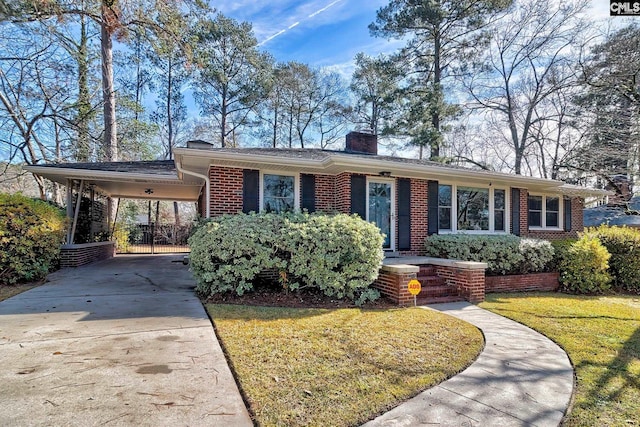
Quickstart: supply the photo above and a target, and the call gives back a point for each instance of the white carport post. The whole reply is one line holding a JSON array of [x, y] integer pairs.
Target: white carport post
[[69, 208], [77, 212]]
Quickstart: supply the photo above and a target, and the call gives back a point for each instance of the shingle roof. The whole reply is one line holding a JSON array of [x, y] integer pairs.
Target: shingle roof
[[319, 154], [150, 167]]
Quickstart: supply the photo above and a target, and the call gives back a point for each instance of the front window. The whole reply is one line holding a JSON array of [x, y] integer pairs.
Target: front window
[[444, 207], [499, 207], [471, 209], [278, 193], [544, 211]]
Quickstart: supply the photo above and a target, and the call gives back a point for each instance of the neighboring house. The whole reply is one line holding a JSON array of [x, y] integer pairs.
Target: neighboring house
[[614, 215], [408, 199]]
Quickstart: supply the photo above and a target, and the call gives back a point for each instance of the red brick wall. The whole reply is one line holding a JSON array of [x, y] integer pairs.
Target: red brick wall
[[419, 210], [226, 190], [395, 286], [470, 283], [343, 193], [77, 255], [577, 221], [524, 282], [326, 193]]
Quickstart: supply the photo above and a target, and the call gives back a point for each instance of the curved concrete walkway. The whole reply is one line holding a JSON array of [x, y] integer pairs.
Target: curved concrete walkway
[[123, 342], [521, 378]]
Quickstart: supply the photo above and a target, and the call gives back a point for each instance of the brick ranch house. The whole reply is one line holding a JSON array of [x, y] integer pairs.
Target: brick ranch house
[[407, 199]]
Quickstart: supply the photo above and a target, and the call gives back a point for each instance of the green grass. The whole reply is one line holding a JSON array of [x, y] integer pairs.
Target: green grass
[[318, 367], [601, 335]]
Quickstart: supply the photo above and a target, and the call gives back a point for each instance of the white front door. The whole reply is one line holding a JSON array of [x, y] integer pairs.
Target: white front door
[[381, 209]]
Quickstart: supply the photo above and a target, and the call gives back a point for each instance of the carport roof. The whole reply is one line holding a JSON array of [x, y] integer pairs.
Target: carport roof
[[157, 179]]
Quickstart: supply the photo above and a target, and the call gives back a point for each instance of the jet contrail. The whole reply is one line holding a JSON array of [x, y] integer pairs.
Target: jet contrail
[[333, 3], [324, 8]]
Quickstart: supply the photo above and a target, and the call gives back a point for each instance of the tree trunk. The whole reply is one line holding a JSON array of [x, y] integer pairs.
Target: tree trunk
[[437, 76], [83, 143], [110, 141], [176, 213], [169, 98]]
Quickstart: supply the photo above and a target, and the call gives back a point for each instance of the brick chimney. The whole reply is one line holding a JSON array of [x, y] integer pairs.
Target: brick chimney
[[362, 142]]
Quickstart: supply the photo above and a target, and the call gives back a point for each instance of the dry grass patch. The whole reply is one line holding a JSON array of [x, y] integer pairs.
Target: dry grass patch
[[339, 367], [601, 335], [7, 291]]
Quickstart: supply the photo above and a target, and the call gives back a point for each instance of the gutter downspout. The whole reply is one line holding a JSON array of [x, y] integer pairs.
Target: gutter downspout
[[207, 183]]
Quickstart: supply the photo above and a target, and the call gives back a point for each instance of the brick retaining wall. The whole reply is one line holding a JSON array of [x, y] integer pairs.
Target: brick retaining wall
[[86, 253], [521, 283]]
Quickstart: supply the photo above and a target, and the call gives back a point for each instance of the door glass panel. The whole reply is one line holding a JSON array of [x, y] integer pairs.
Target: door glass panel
[[380, 209]]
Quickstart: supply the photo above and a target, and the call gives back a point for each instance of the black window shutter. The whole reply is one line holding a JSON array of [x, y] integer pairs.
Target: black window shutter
[[250, 191], [515, 211], [308, 183], [567, 214], [432, 208], [404, 214], [359, 195]]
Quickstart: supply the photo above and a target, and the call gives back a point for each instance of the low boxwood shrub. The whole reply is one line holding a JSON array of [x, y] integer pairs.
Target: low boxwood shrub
[[624, 246], [31, 232], [584, 267], [338, 254], [505, 254]]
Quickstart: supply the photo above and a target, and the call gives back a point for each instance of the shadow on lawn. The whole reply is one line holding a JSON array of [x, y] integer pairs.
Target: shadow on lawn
[[618, 369]]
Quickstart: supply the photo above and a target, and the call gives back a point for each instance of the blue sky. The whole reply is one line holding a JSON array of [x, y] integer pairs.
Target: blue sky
[[321, 33]]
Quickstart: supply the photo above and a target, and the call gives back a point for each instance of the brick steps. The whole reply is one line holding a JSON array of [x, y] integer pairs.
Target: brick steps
[[434, 288]]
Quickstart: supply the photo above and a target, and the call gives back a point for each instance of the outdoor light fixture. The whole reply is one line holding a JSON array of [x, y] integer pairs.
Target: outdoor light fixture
[[385, 173], [148, 191]]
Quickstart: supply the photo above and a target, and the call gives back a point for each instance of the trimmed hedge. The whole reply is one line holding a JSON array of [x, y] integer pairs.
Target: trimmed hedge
[[31, 232], [624, 246], [506, 254], [584, 267], [338, 254]]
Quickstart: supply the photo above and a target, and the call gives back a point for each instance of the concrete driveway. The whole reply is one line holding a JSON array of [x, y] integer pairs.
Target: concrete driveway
[[120, 342]]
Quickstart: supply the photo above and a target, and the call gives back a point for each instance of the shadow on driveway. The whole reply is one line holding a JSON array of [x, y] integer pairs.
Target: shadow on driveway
[[120, 342]]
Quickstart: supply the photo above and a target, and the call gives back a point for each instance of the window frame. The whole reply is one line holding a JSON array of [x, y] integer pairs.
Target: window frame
[[543, 214], [454, 209], [296, 187]]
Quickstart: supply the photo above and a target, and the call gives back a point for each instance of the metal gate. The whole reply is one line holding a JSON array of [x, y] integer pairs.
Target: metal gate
[[158, 238]]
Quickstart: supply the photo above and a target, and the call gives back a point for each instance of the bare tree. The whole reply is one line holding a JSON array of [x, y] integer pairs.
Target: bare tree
[[530, 58]]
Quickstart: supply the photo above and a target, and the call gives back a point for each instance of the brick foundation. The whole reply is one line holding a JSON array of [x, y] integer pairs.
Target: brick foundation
[[392, 282], [86, 253], [522, 283]]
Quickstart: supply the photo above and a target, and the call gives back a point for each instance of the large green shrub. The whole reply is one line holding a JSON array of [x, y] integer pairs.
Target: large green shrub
[[624, 246], [228, 252], [338, 254], [584, 267], [506, 254], [31, 232]]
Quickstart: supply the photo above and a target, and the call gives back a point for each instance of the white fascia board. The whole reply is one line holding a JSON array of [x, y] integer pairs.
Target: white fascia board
[[89, 174]]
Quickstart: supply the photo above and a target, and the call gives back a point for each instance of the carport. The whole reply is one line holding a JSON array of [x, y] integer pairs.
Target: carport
[[148, 180]]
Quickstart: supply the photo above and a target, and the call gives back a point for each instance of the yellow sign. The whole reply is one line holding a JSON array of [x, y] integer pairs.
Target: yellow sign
[[414, 287]]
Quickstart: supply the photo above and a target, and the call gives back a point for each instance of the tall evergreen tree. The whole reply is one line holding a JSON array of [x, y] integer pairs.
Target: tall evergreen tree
[[441, 33]]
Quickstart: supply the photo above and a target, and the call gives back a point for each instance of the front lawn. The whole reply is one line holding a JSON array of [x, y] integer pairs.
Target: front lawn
[[601, 335], [338, 367]]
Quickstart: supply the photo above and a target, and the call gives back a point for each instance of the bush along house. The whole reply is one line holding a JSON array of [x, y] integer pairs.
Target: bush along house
[[408, 199]]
